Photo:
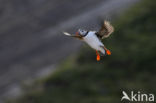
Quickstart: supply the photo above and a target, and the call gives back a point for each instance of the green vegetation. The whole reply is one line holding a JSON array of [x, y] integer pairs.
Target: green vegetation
[[132, 65]]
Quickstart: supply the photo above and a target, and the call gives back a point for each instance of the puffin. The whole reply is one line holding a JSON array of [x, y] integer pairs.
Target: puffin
[[94, 38]]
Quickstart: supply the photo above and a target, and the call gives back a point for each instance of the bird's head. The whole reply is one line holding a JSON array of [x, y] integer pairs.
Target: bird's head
[[81, 32]]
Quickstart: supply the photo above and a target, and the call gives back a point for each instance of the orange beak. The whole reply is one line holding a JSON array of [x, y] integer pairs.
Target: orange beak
[[77, 33]]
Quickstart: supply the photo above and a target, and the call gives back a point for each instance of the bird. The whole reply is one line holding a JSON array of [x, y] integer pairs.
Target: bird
[[94, 38]]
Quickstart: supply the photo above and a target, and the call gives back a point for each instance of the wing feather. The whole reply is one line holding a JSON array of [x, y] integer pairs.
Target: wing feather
[[71, 35], [105, 30], [67, 34]]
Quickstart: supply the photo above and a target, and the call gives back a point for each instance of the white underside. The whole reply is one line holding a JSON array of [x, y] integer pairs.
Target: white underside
[[93, 41]]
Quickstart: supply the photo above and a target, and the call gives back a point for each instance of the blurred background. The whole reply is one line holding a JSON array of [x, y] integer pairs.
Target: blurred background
[[38, 64]]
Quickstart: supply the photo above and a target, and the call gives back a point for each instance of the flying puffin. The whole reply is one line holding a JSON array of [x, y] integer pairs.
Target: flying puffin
[[93, 38]]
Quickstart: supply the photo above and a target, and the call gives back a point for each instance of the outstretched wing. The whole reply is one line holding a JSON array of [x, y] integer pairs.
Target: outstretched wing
[[105, 30], [69, 34], [76, 36]]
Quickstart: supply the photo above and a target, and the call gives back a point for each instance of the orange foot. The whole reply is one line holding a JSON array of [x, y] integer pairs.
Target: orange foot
[[97, 56], [108, 52]]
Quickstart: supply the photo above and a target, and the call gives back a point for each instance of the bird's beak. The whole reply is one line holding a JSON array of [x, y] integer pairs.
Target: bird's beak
[[77, 33]]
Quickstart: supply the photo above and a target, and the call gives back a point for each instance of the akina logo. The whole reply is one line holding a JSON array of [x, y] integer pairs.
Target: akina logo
[[138, 96]]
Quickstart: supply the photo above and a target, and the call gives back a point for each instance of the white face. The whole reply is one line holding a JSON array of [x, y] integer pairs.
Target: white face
[[82, 32]]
